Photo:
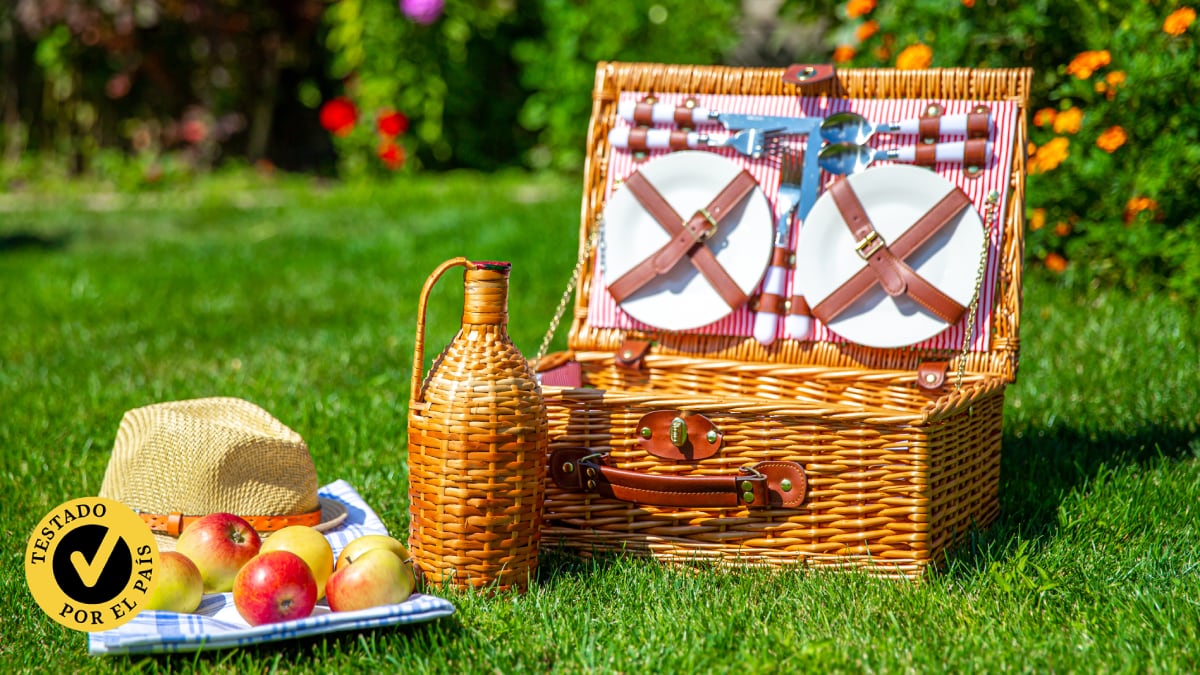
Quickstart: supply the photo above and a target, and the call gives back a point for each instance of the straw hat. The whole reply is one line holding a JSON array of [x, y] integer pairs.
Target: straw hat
[[178, 461]]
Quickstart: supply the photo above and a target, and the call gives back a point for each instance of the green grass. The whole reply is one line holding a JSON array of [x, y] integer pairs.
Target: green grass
[[302, 298]]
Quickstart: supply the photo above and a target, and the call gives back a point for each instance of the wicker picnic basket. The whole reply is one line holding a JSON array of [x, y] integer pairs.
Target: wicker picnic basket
[[897, 450]]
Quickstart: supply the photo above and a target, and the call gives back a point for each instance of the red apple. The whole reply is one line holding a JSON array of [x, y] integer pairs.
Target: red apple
[[219, 544], [274, 586], [179, 586], [310, 545], [377, 577]]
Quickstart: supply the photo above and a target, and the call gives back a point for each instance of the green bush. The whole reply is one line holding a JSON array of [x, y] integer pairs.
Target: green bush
[[493, 83], [1114, 129]]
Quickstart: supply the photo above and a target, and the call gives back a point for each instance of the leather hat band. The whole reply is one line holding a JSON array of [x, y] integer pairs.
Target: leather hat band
[[171, 524]]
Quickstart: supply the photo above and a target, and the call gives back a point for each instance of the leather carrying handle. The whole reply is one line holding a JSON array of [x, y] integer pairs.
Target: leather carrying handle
[[765, 485]]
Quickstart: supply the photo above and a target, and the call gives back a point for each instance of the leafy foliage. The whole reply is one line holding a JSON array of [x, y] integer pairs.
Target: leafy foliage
[[1115, 134], [200, 80], [494, 83]]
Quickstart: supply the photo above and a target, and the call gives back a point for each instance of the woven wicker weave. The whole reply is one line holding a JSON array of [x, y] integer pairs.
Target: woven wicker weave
[[477, 440], [895, 472]]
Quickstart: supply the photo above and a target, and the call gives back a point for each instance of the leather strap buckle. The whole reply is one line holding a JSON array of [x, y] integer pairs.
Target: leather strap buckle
[[869, 245], [707, 233]]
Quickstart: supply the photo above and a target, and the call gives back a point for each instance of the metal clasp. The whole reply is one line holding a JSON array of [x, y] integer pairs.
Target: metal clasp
[[678, 432], [869, 245], [707, 233], [751, 471]]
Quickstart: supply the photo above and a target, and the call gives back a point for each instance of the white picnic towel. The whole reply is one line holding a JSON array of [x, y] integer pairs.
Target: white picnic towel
[[217, 624]]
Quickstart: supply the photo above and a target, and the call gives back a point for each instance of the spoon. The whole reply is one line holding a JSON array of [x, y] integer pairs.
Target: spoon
[[846, 158], [850, 127]]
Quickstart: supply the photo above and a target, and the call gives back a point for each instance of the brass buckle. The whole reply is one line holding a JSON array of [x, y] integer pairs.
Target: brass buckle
[[706, 234], [869, 245]]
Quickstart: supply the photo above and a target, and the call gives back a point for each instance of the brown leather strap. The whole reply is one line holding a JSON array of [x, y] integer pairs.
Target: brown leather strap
[[678, 140], [808, 73], [931, 375], [770, 484], [885, 263], [799, 306], [771, 303], [631, 355], [687, 239], [643, 114], [781, 257], [929, 128], [172, 524], [977, 122], [669, 434], [925, 154], [975, 152]]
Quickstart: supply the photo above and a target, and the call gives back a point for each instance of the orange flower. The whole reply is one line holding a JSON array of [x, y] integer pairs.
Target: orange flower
[[1044, 116], [1050, 155], [857, 8], [1108, 86], [1111, 138], [866, 30], [1177, 22], [1138, 204], [1037, 220], [968, 3], [843, 53], [914, 57], [1062, 229], [1068, 121], [1055, 263], [1086, 63]]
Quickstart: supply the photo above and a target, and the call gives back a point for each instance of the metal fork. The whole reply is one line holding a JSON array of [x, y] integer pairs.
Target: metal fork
[[754, 143], [766, 320]]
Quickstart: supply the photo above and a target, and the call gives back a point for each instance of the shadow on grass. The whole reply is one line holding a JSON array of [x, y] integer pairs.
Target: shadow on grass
[[17, 241], [1040, 468]]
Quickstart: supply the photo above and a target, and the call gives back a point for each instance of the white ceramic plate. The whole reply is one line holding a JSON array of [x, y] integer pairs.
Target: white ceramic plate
[[682, 299], [894, 197]]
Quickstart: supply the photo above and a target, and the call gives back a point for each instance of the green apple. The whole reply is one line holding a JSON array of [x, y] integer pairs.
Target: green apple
[[367, 542], [377, 577], [310, 545], [179, 586]]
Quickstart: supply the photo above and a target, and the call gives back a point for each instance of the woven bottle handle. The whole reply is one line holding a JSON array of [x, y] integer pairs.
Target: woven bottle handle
[[419, 350]]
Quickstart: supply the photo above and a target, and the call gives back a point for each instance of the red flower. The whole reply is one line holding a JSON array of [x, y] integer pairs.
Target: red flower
[[391, 155], [338, 116], [391, 123]]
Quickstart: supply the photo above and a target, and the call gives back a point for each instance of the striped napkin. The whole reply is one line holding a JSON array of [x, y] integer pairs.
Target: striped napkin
[[217, 624]]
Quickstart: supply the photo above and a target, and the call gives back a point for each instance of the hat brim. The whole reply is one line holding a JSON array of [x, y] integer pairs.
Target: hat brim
[[333, 514]]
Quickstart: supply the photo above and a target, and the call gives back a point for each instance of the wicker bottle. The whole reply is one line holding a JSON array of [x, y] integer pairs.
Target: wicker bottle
[[477, 440]]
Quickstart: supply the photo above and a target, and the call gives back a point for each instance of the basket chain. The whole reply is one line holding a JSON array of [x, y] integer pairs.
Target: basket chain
[[584, 252], [989, 218]]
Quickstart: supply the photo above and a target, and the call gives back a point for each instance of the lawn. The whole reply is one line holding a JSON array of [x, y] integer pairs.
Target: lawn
[[301, 297]]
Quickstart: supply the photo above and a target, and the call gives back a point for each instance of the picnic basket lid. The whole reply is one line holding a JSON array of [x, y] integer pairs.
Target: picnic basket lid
[[613, 78]]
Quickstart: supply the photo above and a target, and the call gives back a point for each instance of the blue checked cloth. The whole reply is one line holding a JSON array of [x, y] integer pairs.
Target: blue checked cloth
[[217, 624]]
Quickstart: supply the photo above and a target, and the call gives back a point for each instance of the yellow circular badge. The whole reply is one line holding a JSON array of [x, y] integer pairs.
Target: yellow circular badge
[[90, 563]]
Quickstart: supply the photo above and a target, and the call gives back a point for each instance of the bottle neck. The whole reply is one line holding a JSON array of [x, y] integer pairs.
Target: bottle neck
[[485, 297]]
